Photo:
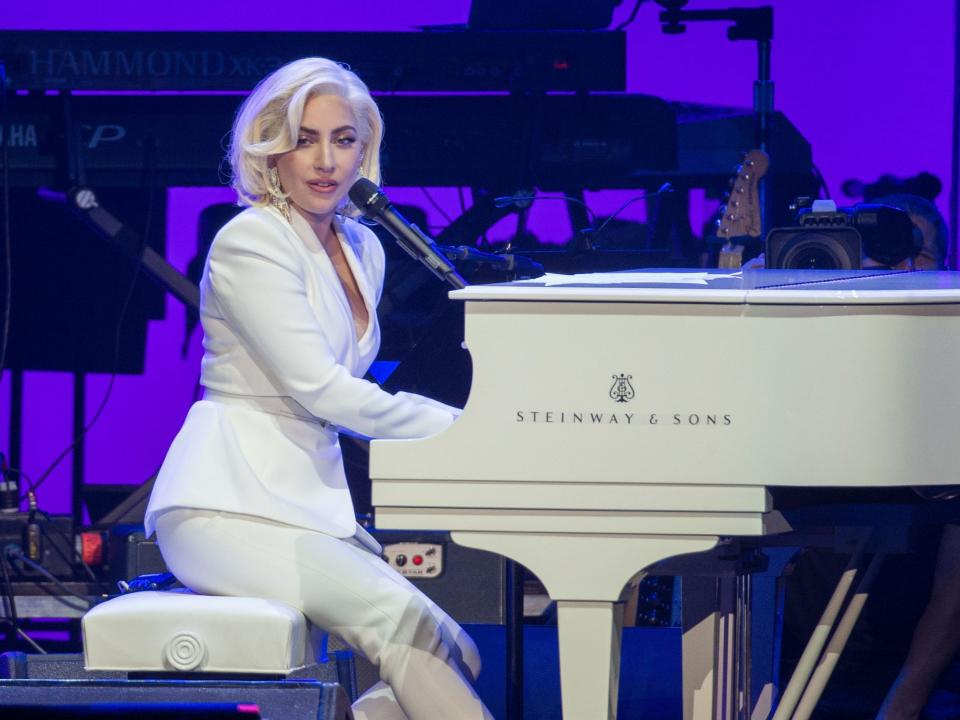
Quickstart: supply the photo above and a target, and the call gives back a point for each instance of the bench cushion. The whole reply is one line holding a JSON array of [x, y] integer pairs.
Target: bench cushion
[[183, 632]]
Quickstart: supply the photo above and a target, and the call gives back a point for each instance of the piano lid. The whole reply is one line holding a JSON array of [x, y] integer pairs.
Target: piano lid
[[761, 378], [800, 287]]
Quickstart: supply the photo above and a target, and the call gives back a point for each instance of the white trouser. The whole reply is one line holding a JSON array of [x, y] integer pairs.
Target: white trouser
[[424, 657]]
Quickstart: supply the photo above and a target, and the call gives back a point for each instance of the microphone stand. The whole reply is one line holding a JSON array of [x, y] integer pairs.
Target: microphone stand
[[748, 24], [83, 202], [419, 247]]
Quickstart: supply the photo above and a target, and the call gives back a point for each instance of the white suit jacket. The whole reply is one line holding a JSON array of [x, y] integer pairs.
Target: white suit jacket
[[283, 370]]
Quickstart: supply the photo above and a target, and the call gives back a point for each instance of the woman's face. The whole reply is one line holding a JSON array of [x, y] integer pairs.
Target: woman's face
[[319, 171]]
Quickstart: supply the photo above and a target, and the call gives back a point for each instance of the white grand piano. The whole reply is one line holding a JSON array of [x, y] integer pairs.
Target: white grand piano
[[617, 420]]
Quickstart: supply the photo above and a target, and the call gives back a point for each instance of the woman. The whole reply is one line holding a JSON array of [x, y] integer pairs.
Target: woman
[[252, 499]]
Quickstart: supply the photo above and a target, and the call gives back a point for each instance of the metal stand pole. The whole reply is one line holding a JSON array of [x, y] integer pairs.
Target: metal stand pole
[[15, 448], [762, 107], [79, 417], [748, 24], [514, 611]]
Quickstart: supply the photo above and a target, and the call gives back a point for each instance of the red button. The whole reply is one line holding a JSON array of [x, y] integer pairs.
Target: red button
[[418, 560]]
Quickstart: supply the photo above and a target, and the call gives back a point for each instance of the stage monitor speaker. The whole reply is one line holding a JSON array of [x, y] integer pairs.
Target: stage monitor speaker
[[143, 699], [134, 711], [52, 666]]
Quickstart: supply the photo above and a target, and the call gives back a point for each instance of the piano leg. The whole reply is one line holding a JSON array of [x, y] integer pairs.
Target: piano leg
[[709, 648], [586, 574], [590, 635]]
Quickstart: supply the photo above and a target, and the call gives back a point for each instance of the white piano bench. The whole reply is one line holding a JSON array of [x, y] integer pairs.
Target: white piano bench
[[181, 632]]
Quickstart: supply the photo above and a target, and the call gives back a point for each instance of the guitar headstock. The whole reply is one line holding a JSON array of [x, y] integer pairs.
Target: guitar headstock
[[741, 216]]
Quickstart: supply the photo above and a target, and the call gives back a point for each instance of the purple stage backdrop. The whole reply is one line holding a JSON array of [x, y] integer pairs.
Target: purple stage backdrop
[[868, 82]]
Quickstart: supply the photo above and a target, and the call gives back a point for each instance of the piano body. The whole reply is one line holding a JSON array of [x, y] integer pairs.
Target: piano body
[[618, 420]]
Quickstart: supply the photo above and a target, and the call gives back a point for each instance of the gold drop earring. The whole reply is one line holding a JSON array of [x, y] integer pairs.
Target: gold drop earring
[[277, 198]]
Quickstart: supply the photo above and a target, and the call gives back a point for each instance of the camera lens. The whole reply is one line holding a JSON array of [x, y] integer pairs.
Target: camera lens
[[811, 250]]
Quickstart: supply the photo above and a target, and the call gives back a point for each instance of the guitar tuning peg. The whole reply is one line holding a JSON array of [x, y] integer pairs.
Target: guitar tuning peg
[[722, 210]]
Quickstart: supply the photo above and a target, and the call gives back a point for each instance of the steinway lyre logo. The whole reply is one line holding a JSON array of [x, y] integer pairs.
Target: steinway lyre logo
[[622, 390]]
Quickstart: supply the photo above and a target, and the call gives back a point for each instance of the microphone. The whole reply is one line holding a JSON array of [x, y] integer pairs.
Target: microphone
[[376, 206], [519, 265]]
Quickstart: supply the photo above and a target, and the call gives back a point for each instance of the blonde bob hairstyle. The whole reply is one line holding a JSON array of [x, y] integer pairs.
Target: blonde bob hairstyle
[[268, 123]]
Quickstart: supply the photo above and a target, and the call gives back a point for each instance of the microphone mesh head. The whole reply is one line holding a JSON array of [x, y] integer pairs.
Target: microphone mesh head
[[367, 197]]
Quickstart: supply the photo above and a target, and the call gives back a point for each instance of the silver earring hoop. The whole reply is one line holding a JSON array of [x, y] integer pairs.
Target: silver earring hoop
[[277, 198]]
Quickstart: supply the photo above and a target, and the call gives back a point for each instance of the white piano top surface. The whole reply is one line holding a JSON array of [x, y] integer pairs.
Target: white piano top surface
[[731, 287]]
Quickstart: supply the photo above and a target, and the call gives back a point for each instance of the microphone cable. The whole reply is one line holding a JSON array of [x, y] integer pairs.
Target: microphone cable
[[32, 486], [11, 601], [506, 200], [45, 528], [662, 190], [15, 553], [437, 206], [522, 202], [633, 16]]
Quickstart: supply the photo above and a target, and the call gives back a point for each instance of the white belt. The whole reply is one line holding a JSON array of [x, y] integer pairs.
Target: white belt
[[279, 405]]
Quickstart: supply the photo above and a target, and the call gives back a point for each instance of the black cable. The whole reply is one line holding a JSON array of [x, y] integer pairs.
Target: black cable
[[9, 596], [522, 201], [663, 189], [17, 471], [13, 550], [78, 556], [437, 205], [12, 618], [56, 548], [31, 641], [113, 376], [7, 239], [21, 473], [633, 16], [823, 183]]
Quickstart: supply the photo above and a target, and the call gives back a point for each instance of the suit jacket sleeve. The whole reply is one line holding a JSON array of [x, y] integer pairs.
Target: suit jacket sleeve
[[257, 278]]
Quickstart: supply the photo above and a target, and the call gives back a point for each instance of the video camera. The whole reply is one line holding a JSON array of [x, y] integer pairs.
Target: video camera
[[830, 238]]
